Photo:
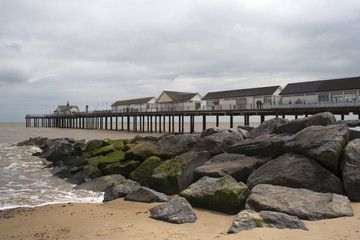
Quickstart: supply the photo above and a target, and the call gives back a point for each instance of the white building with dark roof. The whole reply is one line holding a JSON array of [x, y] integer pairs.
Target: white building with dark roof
[[178, 101], [250, 98], [135, 105], [335, 91], [61, 109]]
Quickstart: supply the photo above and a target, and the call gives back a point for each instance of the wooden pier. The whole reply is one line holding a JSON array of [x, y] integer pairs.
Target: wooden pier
[[162, 122]]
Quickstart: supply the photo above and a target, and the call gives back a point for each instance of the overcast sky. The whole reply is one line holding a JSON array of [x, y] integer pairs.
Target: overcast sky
[[97, 52]]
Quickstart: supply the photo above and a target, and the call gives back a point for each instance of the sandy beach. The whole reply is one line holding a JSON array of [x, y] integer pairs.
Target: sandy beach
[[120, 219]]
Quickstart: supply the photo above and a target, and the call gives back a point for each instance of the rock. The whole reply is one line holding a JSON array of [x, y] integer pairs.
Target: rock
[[238, 166], [177, 210], [145, 149], [122, 168], [323, 144], [143, 173], [103, 150], [303, 203], [39, 142], [249, 219], [118, 144], [147, 195], [294, 126], [296, 171], [178, 143], [267, 127], [101, 183], [80, 146], [215, 140], [113, 157], [263, 146], [219, 194], [64, 171], [85, 174], [95, 144], [354, 134], [350, 123], [94, 161], [246, 128], [176, 174], [120, 189], [350, 165]]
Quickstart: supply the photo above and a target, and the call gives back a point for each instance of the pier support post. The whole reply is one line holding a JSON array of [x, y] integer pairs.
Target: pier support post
[[217, 120], [204, 122], [231, 121], [262, 118]]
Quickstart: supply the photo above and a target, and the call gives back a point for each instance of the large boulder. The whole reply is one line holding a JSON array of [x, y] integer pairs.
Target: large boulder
[[350, 123], [220, 194], [238, 166], [296, 171], [101, 183], [145, 149], [85, 174], [350, 165], [147, 195], [113, 157], [215, 140], [176, 174], [120, 189], [143, 173], [323, 144], [249, 219], [267, 127], [64, 171], [103, 150], [178, 143], [177, 211], [263, 146], [294, 126], [303, 203]]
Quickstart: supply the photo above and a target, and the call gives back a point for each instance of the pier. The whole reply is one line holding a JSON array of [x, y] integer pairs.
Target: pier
[[174, 121]]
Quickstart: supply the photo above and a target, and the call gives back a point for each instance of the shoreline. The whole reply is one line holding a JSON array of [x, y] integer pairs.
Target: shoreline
[[125, 219]]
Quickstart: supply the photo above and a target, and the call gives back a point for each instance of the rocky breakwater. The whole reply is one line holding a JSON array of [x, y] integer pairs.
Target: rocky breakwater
[[272, 176]]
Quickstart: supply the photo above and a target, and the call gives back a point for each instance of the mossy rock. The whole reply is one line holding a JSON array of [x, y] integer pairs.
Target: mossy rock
[[129, 146], [220, 194], [103, 150], [122, 168], [111, 158], [80, 146], [94, 161], [118, 144], [85, 174], [95, 144], [145, 149], [176, 174], [72, 160], [143, 173]]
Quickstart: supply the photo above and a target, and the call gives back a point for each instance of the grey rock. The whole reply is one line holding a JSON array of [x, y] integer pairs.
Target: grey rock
[[294, 126], [120, 189], [178, 143], [215, 140], [220, 194], [303, 203], [323, 144], [176, 174], [350, 123], [267, 127], [263, 146], [85, 174], [64, 171], [238, 166], [249, 219], [246, 128], [177, 211], [296, 171], [350, 165], [354, 134], [101, 183], [147, 195]]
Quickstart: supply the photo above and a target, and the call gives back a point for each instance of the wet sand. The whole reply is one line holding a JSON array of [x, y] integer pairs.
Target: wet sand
[[121, 219]]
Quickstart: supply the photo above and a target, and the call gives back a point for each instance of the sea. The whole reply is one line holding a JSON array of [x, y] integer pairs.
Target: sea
[[24, 179]]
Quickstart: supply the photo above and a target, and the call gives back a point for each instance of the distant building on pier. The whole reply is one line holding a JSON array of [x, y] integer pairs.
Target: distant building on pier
[[178, 101], [135, 105], [67, 109], [342, 90], [250, 98]]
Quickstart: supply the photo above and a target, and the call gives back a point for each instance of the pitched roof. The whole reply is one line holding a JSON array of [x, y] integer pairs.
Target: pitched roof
[[65, 108], [242, 92], [180, 96], [132, 101], [322, 86]]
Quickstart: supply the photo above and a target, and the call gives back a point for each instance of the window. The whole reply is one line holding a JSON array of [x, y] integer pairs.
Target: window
[[323, 97], [267, 99], [350, 96], [337, 96]]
